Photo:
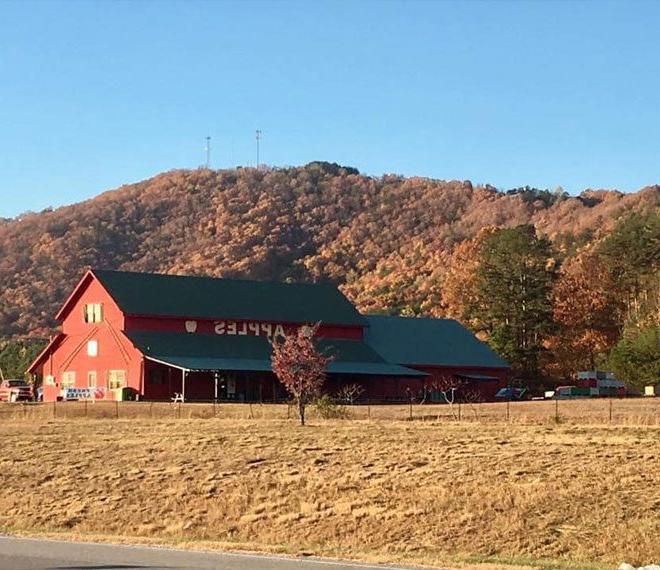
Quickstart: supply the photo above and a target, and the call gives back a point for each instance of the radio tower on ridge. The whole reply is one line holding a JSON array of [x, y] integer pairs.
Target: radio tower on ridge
[[258, 139], [208, 152]]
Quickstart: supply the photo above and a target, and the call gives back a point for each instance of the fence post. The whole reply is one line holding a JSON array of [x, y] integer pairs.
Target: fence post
[[54, 409], [508, 411], [116, 409], [214, 406], [610, 410], [85, 408], [557, 410]]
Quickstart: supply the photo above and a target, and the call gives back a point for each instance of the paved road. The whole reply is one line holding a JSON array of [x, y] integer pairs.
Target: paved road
[[33, 554]]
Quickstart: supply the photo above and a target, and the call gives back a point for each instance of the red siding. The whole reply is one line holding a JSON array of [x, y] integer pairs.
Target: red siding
[[487, 388], [207, 326], [384, 388], [115, 352]]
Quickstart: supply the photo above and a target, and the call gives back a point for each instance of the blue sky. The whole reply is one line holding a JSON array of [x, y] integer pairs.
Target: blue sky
[[97, 94]]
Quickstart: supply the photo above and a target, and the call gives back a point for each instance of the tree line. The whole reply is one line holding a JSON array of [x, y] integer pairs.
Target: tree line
[[551, 315], [577, 271]]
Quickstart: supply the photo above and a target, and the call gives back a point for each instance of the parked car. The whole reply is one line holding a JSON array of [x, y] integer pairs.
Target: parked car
[[511, 393], [15, 390], [570, 392]]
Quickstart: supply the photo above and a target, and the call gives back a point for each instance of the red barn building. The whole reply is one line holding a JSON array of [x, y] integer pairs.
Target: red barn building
[[439, 347], [152, 336]]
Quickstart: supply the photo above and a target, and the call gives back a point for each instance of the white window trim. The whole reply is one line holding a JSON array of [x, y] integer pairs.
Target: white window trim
[[93, 312], [68, 379], [92, 348], [124, 381]]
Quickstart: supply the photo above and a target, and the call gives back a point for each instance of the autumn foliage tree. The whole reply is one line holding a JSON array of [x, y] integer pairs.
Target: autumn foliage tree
[[606, 304], [461, 296], [585, 309], [300, 367]]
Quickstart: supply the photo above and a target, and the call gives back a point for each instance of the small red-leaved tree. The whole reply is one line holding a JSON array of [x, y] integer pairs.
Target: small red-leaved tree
[[300, 366]]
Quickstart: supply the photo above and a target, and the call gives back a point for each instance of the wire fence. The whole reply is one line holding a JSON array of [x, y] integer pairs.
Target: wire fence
[[628, 411]]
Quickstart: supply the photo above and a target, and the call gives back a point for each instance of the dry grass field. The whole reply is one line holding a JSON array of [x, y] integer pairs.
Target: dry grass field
[[627, 412], [432, 492]]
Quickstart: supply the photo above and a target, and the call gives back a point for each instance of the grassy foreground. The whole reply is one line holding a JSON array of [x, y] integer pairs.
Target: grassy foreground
[[418, 492]]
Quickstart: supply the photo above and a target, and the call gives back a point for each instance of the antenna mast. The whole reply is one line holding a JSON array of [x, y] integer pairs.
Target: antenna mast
[[258, 139], [208, 152]]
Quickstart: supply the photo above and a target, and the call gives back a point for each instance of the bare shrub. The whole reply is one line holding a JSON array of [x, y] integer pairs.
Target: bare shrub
[[349, 393], [329, 409]]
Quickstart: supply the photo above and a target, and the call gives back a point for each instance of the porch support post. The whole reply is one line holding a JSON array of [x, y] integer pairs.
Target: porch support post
[[142, 378], [183, 385]]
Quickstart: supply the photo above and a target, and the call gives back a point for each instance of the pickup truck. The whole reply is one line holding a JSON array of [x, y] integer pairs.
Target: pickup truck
[[15, 391]]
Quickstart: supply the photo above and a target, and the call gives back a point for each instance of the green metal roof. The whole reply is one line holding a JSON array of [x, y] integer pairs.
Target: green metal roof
[[204, 351], [206, 297], [252, 353], [356, 357], [433, 342]]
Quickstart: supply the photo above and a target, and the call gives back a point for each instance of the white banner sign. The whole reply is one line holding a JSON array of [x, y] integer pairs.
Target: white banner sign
[[83, 393]]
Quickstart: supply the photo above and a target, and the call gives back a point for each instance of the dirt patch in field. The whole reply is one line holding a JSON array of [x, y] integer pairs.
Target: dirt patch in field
[[421, 492]]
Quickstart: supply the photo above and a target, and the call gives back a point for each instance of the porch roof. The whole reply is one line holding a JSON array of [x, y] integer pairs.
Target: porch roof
[[252, 353], [477, 377]]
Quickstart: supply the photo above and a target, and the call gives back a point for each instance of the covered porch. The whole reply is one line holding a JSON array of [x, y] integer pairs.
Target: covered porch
[[206, 367], [164, 381]]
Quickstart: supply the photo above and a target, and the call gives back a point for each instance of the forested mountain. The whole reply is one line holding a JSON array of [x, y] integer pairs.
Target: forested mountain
[[392, 243]]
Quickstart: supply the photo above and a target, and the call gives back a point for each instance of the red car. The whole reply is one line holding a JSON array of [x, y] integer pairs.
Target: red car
[[15, 391]]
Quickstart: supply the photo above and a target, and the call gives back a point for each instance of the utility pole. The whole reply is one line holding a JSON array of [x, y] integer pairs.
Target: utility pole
[[208, 152], [258, 139]]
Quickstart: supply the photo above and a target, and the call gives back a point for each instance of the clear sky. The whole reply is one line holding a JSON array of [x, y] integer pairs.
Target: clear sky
[[97, 94]]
